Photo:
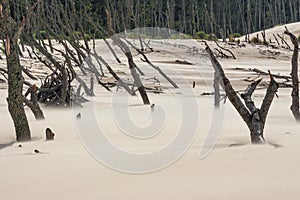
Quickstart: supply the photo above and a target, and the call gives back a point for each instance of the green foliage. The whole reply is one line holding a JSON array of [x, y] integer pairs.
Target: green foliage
[[233, 36], [41, 35], [203, 36], [159, 37], [137, 35], [256, 40], [211, 37], [180, 36], [200, 35], [193, 16], [78, 36]]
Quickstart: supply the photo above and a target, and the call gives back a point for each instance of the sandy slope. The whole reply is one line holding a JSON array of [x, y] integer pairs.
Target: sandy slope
[[279, 29], [233, 170]]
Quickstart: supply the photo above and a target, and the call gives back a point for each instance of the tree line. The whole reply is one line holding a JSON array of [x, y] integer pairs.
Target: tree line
[[221, 18]]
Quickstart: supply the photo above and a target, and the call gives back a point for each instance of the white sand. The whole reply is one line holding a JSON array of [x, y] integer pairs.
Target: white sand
[[235, 169]]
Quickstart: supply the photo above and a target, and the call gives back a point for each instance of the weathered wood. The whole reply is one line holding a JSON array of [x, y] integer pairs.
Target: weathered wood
[[132, 66], [266, 104], [263, 33], [276, 39], [231, 94], [49, 134], [254, 118], [294, 74], [233, 56], [59, 66], [11, 31], [27, 72], [85, 87], [261, 72], [96, 56], [141, 43], [283, 41], [256, 129], [112, 51], [153, 66], [112, 72], [92, 86], [148, 46], [15, 88], [33, 102], [217, 95]]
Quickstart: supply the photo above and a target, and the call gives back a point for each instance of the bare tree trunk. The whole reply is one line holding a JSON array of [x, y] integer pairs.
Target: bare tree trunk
[[295, 79], [217, 81], [33, 102], [11, 31], [15, 89], [153, 66], [133, 68], [112, 51], [254, 118]]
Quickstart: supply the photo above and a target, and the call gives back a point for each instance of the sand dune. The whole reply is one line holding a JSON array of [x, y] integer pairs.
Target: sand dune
[[68, 167]]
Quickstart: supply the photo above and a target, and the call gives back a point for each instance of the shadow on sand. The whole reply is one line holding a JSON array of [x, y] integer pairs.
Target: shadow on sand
[[2, 146]]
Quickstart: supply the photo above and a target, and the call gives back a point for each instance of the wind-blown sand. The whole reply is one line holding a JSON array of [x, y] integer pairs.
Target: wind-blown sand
[[235, 169]]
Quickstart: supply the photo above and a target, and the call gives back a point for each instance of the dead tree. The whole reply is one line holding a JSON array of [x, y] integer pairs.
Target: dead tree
[[11, 31], [112, 51], [263, 33], [216, 85], [254, 117], [133, 69], [112, 72], [276, 39], [145, 59], [284, 42], [294, 74], [33, 102], [233, 56]]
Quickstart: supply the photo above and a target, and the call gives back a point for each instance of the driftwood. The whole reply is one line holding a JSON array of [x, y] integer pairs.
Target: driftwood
[[276, 39], [261, 72], [133, 69], [233, 56], [145, 59], [263, 33], [183, 62], [112, 72], [294, 74], [283, 41], [254, 118], [148, 46], [112, 51], [221, 54]]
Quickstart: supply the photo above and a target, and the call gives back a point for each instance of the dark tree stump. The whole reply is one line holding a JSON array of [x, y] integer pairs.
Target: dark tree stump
[[49, 134]]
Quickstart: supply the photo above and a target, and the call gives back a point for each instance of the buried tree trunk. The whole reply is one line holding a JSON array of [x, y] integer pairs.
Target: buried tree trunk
[[294, 74], [254, 118], [15, 88]]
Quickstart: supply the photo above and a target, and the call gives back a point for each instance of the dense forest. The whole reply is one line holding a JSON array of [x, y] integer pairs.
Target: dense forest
[[221, 18], [191, 16]]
